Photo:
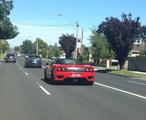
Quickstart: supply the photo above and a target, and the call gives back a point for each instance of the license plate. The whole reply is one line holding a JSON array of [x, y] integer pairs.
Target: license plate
[[34, 61], [75, 75]]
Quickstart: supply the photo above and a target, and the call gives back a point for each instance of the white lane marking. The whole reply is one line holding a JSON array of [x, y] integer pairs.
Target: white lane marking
[[120, 90], [26, 74], [48, 93], [20, 67], [17, 64], [135, 82], [43, 67]]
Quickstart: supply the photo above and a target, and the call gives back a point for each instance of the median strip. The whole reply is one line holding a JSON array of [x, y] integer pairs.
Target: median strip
[[120, 90]]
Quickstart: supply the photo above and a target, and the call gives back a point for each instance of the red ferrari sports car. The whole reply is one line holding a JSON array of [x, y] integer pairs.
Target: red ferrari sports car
[[69, 70]]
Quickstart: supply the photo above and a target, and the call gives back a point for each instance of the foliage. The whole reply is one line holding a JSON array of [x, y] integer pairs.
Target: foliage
[[84, 57], [57, 51], [50, 51], [143, 52], [4, 46], [7, 29], [121, 34], [27, 47], [17, 49], [42, 47], [143, 34], [54, 51], [99, 46], [68, 44]]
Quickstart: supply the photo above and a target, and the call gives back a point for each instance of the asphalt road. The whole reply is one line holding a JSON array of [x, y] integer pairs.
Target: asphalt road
[[24, 95]]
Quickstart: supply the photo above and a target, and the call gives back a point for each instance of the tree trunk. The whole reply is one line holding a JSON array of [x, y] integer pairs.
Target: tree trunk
[[121, 63]]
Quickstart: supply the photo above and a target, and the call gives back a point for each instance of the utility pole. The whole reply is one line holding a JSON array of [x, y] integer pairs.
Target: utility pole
[[77, 26], [82, 37], [37, 48]]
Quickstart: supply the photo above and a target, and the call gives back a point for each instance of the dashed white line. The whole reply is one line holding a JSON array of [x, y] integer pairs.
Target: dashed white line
[[43, 67], [17, 64], [20, 67], [120, 90], [48, 93], [26, 74], [135, 82]]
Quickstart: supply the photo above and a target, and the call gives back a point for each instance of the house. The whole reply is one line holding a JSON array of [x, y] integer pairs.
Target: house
[[137, 48]]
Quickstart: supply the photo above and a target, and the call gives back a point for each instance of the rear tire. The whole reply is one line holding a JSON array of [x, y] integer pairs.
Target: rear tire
[[45, 76], [90, 83]]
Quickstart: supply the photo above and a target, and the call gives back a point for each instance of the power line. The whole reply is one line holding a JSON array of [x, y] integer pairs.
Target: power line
[[48, 25]]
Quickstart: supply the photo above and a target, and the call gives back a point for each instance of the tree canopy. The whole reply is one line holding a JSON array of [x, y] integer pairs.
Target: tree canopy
[[27, 47], [68, 44], [121, 34], [99, 46], [7, 29], [4, 46], [42, 47]]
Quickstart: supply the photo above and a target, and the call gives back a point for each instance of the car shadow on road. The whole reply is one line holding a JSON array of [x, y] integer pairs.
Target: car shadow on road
[[104, 71], [51, 82]]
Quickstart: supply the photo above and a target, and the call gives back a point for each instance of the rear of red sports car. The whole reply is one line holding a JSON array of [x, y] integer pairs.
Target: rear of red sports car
[[79, 73]]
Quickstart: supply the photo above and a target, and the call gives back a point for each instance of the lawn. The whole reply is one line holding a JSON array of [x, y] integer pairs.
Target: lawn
[[126, 73]]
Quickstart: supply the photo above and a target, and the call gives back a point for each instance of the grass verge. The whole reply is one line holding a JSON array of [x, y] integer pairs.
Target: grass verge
[[126, 73]]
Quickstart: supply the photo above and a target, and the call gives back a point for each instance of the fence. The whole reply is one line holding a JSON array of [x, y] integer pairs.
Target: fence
[[137, 63]]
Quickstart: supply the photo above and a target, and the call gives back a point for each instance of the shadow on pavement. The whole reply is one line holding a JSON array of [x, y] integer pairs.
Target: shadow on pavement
[[51, 82], [104, 71]]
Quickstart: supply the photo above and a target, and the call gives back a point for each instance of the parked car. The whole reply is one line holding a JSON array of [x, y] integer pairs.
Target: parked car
[[33, 61], [69, 70], [10, 57]]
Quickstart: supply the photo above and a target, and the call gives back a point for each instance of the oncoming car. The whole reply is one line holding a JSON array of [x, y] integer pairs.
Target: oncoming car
[[69, 70]]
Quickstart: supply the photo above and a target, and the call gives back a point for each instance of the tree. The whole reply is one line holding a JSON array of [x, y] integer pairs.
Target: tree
[[84, 56], [7, 29], [4, 46], [50, 51], [42, 47], [57, 51], [99, 46], [17, 49], [121, 34], [68, 44], [27, 47]]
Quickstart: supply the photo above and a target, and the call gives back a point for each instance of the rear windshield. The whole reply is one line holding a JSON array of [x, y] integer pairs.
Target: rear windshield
[[34, 57], [68, 61], [10, 55]]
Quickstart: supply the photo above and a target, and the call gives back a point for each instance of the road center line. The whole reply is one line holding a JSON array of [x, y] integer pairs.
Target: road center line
[[120, 90], [26, 74], [135, 82], [48, 93], [17, 64], [43, 67]]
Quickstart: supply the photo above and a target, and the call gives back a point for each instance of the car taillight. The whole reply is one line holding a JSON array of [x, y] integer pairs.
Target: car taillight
[[61, 69], [89, 69]]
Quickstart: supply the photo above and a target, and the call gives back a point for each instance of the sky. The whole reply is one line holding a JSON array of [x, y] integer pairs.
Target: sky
[[49, 19]]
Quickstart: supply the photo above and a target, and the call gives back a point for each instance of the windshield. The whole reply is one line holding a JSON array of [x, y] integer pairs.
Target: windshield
[[10, 55], [68, 61]]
